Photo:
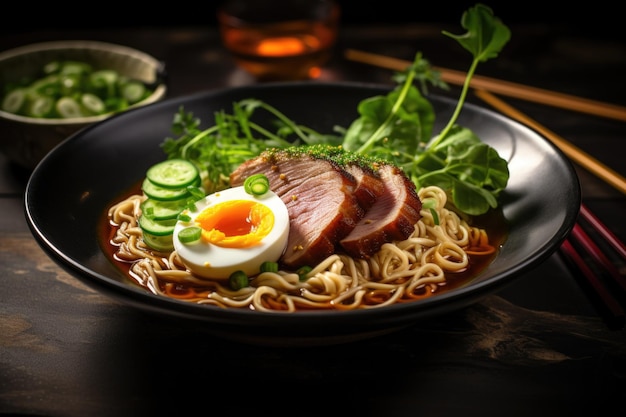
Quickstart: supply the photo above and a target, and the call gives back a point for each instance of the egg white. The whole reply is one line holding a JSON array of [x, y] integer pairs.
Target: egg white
[[211, 261]]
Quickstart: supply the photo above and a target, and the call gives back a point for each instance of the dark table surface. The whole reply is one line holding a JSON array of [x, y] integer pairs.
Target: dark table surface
[[537, 347]]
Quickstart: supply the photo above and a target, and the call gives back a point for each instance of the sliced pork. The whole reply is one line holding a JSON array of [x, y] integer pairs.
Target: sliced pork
[[391, 217], [336, 201], [319, 196], [369, 185]]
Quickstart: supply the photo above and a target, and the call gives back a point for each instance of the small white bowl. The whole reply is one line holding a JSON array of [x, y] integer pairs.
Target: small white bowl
[[25, 140]]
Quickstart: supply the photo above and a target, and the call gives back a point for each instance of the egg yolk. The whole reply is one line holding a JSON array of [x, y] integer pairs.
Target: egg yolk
[[236, 223]]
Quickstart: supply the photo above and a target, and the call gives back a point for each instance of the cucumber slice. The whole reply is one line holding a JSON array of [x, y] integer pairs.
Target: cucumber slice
[[173, 174], [156, 227], [163, 210], [162, 194], [159, 243]]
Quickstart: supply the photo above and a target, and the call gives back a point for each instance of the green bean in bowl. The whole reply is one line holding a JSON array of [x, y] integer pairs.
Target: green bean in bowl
[[51, 90]]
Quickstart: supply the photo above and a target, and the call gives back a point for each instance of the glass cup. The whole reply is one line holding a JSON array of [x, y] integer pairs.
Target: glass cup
[[279, 40]]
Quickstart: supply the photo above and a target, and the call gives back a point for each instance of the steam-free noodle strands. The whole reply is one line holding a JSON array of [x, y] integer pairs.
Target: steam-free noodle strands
[[401, 271]]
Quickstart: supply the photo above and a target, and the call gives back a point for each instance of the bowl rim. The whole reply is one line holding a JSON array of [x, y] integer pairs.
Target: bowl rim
[[159, 91]]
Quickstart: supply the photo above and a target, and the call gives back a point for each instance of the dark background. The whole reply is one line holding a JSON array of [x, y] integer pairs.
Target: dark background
[[594, 18]]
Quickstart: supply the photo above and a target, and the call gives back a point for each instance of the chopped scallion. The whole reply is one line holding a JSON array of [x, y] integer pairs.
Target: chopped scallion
[[269, 266], [303, 272], [183, 217], [257, 184], [238, 280], [196, 192], [190, 234], [433, 212]]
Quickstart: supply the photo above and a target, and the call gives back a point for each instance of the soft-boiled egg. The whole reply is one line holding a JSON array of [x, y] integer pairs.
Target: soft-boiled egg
[[240, 231]]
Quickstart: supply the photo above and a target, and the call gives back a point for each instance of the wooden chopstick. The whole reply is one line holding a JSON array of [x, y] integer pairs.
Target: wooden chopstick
[[486, 86], [505, 88], [577, 155]]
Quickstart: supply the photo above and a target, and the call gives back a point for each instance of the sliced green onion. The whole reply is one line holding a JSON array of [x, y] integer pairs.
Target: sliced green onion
[[433, 212], [269, 266], [238, 280], [302, 272], [75, 68], [257, 184], [183, 217], [190, 234], [52, 67], [92, 103], [68, 107], [430, 204], [133, 92], [196, 192], [40, 106], [14, 101], [191, 206], [105, 81]]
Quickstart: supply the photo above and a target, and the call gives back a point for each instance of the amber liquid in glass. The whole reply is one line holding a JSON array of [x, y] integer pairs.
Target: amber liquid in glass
[[272, 49]]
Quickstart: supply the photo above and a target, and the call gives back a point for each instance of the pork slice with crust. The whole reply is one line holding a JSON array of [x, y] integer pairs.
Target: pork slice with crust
[[369, 185], [319, 196], [392, 217]]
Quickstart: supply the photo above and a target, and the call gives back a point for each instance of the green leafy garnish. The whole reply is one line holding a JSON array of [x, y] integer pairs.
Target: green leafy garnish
[[233, 139], [397, 127]]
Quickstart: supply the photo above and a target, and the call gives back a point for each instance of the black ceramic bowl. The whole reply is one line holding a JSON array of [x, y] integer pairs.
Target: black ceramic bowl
[[73, 186]]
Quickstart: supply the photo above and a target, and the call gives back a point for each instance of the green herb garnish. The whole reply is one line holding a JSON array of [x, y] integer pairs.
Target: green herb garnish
[[397, 128]]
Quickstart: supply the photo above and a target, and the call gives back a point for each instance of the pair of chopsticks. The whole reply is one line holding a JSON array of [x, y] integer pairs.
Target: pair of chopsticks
[[608, 279], [604, 278], [496, 86]]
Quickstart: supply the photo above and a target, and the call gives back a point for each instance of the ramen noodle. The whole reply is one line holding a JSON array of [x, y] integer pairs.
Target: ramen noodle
[[401, 271]]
